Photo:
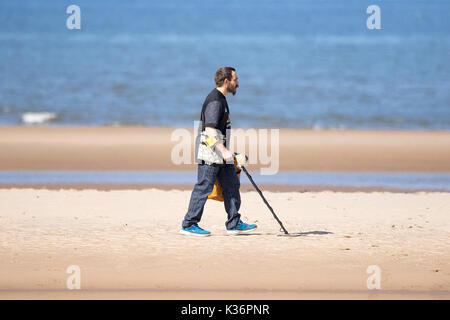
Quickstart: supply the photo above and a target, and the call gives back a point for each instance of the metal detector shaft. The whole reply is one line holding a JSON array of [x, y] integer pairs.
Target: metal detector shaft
[[264, 199]]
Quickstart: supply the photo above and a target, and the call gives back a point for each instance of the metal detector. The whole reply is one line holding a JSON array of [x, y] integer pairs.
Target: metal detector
[[286, 233]]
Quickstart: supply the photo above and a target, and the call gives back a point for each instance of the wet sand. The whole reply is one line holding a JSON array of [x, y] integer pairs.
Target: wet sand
[[143, 148]]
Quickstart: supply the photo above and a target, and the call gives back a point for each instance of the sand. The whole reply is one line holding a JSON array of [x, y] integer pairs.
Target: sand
[[125, 238], [144, 148], [127, 245]]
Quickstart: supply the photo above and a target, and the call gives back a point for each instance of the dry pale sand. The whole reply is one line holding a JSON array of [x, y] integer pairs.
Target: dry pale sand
[[127, 245], [144, 148]]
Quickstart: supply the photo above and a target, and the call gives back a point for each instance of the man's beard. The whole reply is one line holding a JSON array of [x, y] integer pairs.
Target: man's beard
[[231, 89]]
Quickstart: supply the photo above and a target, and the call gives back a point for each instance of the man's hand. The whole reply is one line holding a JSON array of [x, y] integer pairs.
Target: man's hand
[[241, 160], [227, 155]]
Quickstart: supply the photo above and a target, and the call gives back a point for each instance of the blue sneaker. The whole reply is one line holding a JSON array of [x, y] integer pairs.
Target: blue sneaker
[[195, 230], [241, 227]]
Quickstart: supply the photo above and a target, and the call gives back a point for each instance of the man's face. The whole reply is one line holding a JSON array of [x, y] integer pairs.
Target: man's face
[[233, 84]]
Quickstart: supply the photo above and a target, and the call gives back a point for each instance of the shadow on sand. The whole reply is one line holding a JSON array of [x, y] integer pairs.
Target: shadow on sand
[[291, 234]]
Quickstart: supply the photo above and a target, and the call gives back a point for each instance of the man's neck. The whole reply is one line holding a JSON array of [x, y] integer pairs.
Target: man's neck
[[223, 90]]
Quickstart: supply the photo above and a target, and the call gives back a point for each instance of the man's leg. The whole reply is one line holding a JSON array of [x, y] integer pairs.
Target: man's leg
[[206, 177], [230, 184]]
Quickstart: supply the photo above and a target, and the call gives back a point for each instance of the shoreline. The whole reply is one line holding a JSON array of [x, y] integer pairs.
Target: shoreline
[[188, 187], [149, 148], [125, 125]]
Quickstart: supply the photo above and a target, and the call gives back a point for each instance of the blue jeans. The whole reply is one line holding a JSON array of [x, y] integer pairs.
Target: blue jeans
[[206, 177]]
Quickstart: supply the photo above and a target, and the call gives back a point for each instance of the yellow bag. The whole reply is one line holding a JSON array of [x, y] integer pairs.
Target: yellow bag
[[216, 193]]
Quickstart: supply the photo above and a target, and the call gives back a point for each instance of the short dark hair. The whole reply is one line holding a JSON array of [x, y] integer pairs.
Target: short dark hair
[[222, 74]]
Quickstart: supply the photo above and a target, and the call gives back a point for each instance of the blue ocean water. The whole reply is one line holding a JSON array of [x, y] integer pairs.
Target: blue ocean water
[[301, 64]]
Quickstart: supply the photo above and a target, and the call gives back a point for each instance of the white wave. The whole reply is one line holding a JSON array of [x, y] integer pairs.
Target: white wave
[[38, 117], [365, 39], [201, 38]]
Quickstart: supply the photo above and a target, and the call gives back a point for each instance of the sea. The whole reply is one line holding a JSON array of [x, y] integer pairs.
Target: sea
[[315, 64], [402, 181]]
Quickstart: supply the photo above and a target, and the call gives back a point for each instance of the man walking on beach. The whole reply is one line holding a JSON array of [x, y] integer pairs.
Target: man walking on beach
[[216, 122]]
